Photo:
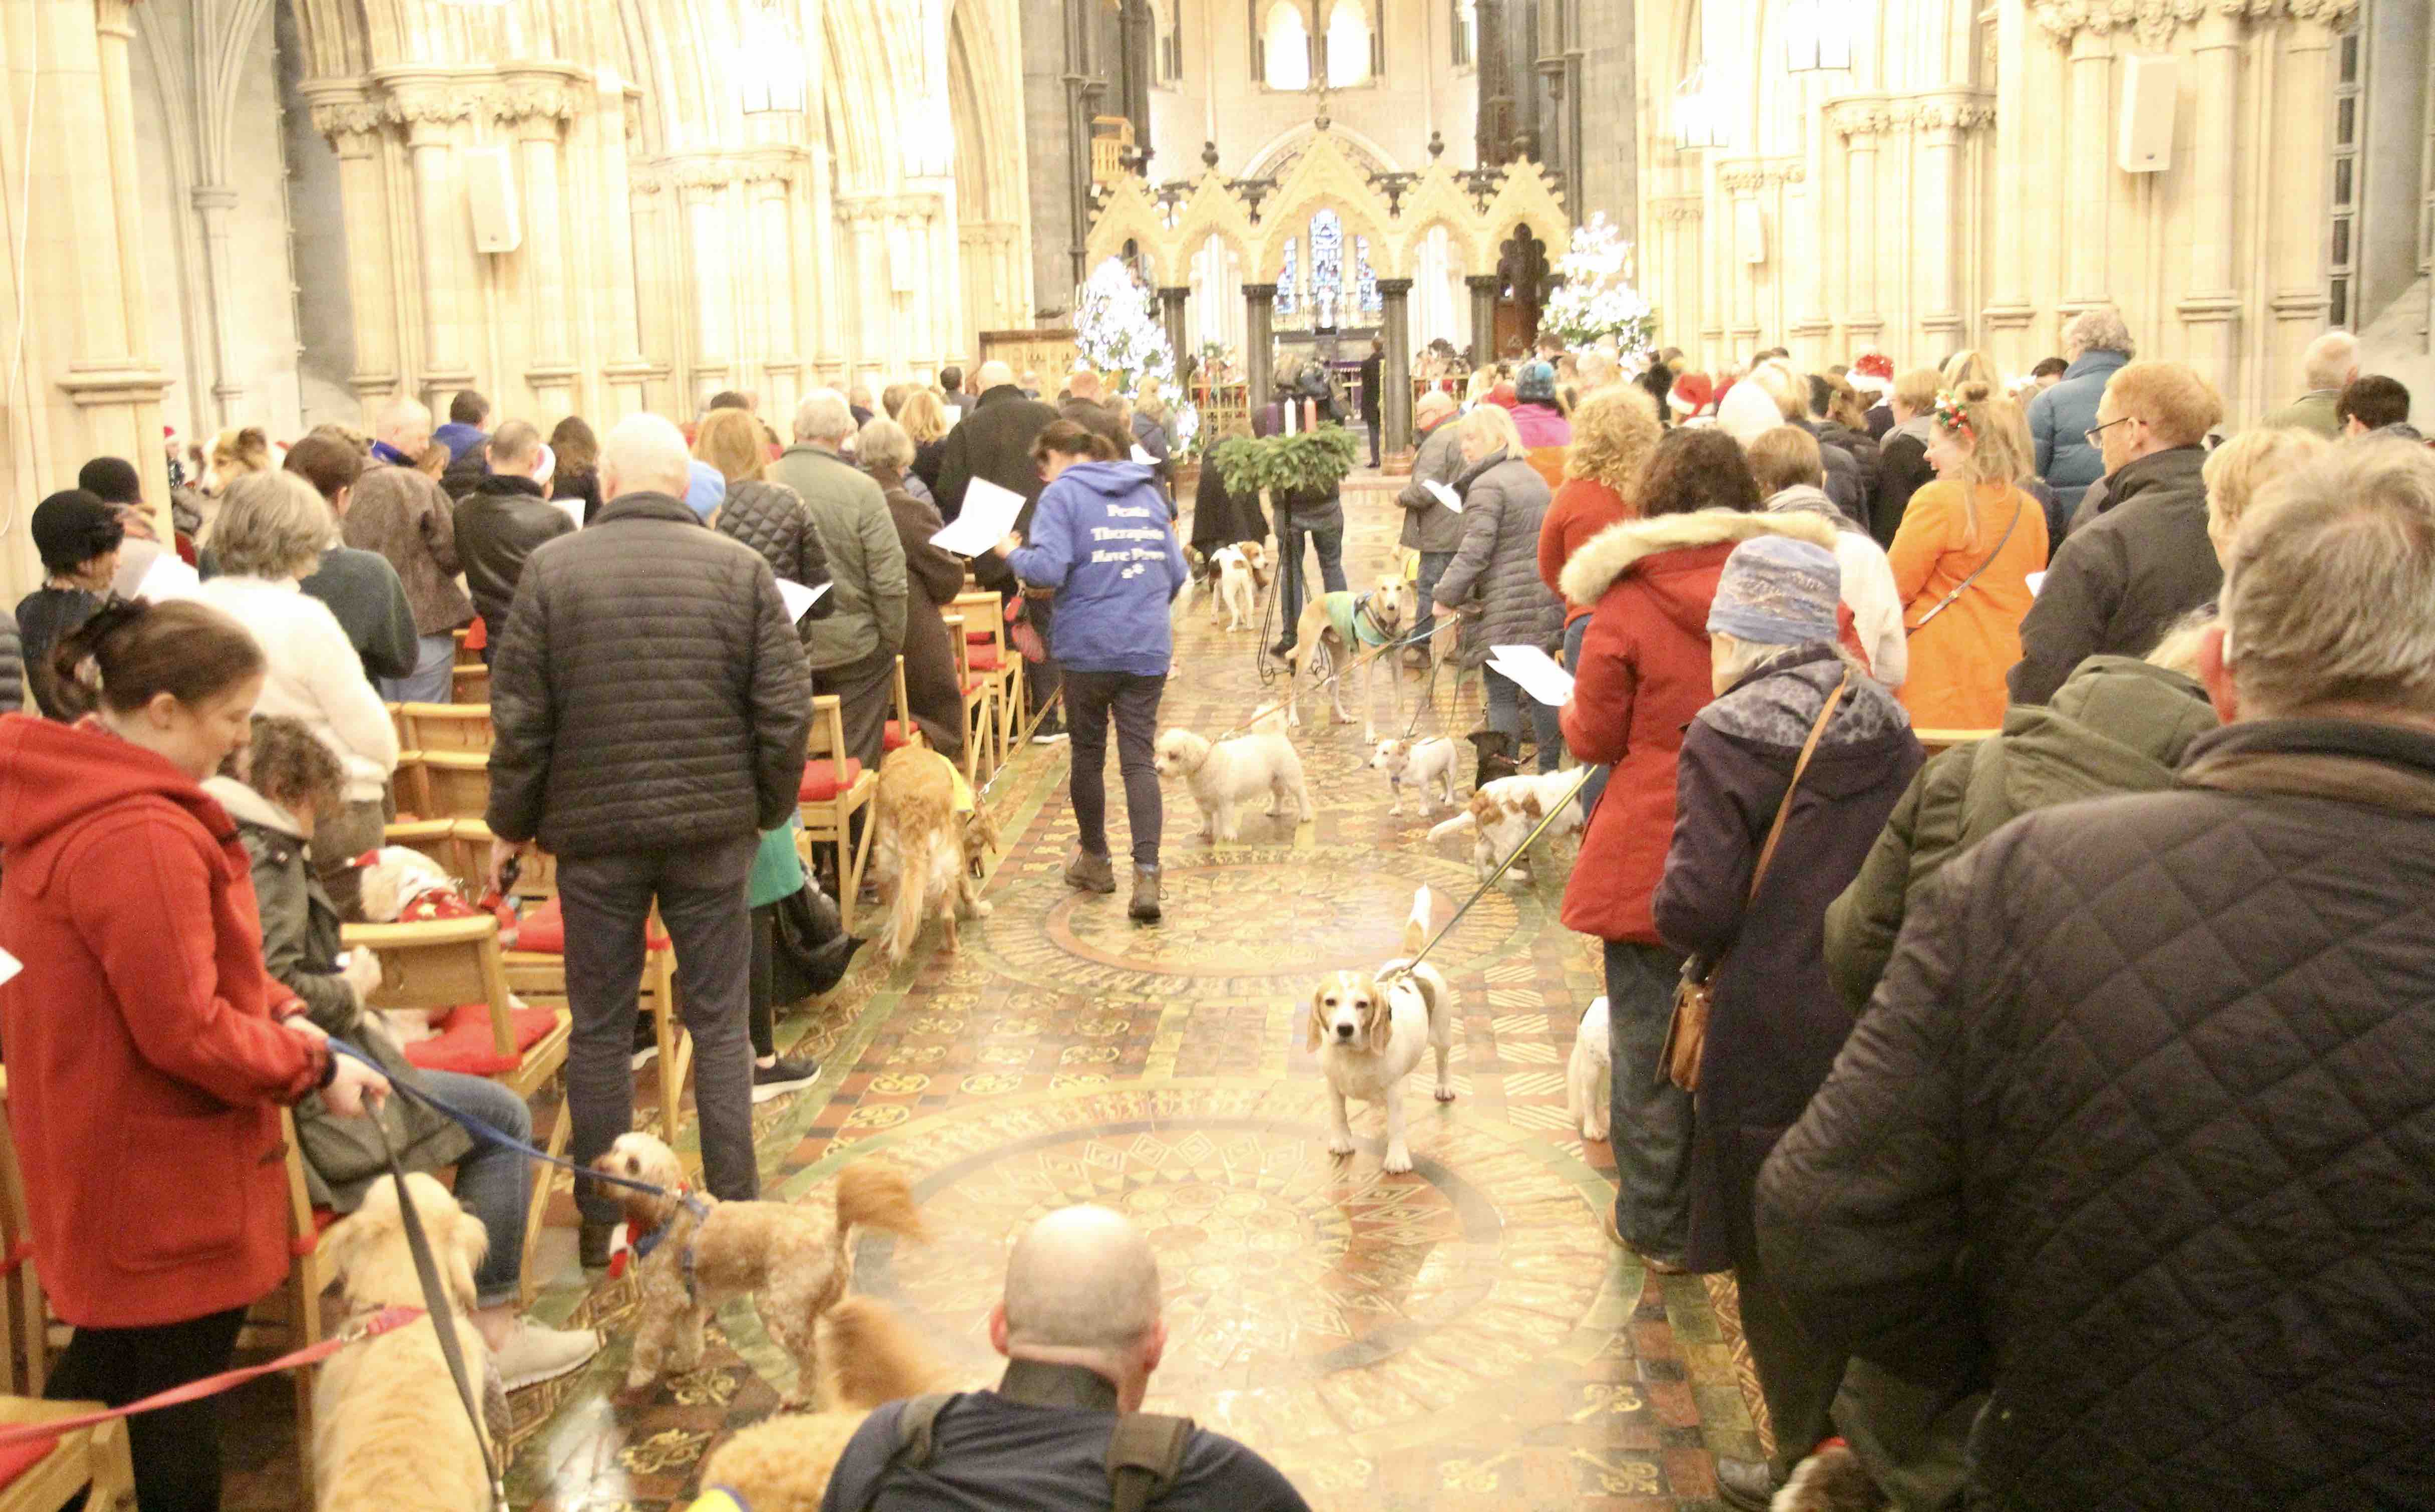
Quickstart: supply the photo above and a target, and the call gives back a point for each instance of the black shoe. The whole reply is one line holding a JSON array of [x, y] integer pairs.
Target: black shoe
[[1283, 649], [1748, 1485], [782, 1076], [592, 1245]]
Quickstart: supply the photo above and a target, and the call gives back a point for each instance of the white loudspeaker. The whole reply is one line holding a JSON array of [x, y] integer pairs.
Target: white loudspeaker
[[490, 194], [2150, 90]]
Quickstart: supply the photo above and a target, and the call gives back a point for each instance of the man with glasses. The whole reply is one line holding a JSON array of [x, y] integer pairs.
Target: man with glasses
[[2119, 579]]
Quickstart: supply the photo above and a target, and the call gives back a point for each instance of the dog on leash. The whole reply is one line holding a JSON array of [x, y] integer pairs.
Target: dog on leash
[[1346, 627], [1422, 763], [793, 1260], [388, 1429], [1237, 595], [1589, 1075], [932, 830], [1369, 1029], [1502, 814], [1232, 772], [783, 1464]]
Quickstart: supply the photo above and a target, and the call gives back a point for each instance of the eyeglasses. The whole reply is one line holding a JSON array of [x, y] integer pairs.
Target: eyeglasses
[[2096, 437]]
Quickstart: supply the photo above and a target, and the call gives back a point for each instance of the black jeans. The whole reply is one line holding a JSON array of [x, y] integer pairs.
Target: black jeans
[[1329, 539], [177, 1450], [1091, 699], [763, 981], [607, 899], [1797, 1374]]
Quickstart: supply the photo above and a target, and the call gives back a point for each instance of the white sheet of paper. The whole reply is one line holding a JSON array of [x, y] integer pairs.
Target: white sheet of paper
[[1442, 494], [798, 598], [9, 967], [988, 513], [573, 507], [1141, 455], [1535, 671], [2035, 581]]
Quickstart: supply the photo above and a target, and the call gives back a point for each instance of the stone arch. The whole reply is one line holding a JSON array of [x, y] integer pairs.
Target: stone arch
[[1365, 154]]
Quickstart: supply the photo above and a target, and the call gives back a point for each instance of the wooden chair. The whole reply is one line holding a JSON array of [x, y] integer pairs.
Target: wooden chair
[[901, 731], [980, 706], [92, 1460], [445, 727], [992, 656], [1933, 741], [296, 1321], [834, 786], [465, 657], [444, 784], [470, 685], [448, 963], [27, 1319]]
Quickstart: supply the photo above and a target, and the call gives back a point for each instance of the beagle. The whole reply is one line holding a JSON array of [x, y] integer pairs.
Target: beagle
[[1368, 1030]]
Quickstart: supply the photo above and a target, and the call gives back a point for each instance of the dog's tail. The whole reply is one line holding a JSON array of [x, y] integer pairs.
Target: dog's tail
[[1462, 824], [1416, 929], [877, 1355], [914, 843], [869, 1195]]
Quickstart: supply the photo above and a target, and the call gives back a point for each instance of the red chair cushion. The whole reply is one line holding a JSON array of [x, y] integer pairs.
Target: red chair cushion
[[464, 1042], [820, 782], [979, 637], [16, 1459], [891, 736], [984, 659], [544, 931], [973, 686], [477, 635]]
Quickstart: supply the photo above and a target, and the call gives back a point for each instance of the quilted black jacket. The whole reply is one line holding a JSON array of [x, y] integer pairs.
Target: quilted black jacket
[[773, 520], [649, 691], [2140, 1129]]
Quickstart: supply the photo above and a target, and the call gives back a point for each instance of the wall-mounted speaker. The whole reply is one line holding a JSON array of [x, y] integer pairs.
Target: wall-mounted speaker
[[490, 194], [1749, 232], [2150, 90]]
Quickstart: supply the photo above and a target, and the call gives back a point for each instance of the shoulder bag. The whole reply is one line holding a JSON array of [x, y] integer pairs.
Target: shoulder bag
[[1686, 1037], [2020, 502]]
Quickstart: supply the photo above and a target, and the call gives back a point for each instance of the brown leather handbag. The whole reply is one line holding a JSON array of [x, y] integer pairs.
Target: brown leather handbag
[[1686, 1037]]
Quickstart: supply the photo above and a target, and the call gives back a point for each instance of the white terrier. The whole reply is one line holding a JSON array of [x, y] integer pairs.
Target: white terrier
[[1231, 773], [1423, 763], [1238, 591]]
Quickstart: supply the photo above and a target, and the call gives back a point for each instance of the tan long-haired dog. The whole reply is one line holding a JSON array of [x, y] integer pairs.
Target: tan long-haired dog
[[1371, 1028], [388, 1429], [234, 454], [792, 1257], [783, 1464], [926, 856]]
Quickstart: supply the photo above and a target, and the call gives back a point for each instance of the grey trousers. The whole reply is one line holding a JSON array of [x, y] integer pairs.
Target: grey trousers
[[702, 896], [1915, 1440], [1649, 1117]]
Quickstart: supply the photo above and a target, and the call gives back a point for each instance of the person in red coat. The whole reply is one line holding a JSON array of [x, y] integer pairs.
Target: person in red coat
[[148, 1050], [1643, 673]]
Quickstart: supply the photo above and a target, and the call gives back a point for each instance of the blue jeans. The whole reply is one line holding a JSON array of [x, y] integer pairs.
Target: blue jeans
[[433, 680], [494, 1182], [1329, 539], [1649, 1117], [1596, 784], [1504, 701], [1433, 565]]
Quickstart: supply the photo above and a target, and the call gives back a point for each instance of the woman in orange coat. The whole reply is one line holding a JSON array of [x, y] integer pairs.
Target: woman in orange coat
[[148, 1050], [1962, 559]]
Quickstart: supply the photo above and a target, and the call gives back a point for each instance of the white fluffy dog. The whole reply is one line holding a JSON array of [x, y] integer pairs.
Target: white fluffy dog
[[1590, 1073], [1231, 773], [1369, 1030], [1425, 763], [389, 1430], [1502, 814], [1238, 598]]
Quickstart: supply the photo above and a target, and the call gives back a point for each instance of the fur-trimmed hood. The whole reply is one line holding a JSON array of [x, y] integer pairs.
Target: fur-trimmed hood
[[1617, 549]]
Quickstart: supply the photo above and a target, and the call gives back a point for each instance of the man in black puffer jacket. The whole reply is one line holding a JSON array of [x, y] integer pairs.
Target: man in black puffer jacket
[[501, 523], [650, 702], [2136, 1131]]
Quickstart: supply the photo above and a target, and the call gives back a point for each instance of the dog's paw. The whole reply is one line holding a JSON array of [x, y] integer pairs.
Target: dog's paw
[[983, 908], [1595, 1133], [1398, 1160], [1445, 1091], [638, 1378], [1340, 1145]]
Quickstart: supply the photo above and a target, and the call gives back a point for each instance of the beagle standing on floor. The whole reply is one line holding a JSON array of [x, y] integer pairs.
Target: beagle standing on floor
[[1369, 1029]]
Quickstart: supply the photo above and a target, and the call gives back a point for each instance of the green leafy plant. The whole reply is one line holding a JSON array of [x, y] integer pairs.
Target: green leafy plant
[[1314, 462]]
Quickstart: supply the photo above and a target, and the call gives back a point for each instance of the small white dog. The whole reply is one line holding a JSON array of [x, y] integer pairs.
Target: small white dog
[[388, 1429], [1232, 772], [1369, 1034], [1502, 814], [1590, 1074], [1423, 763], [1238, 598]]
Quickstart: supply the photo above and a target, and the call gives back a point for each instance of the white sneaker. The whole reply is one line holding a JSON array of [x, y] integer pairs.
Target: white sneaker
[[534, 1354]]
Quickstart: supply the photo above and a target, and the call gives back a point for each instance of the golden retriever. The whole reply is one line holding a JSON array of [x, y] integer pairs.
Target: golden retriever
[[928, 853]]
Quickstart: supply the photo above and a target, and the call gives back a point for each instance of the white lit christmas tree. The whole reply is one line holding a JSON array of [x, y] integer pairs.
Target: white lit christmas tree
[[1116, 330], [1597, 300]]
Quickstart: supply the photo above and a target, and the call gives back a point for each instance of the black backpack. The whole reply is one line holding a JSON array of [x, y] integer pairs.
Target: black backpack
[[1145, 1453]]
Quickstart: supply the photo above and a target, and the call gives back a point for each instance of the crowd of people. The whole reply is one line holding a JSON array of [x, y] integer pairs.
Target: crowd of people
[[2008, 821]]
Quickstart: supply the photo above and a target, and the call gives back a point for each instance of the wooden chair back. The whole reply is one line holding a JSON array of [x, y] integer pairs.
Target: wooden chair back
[[447, 727], [444, 784], [93, 1463], [470, 685]]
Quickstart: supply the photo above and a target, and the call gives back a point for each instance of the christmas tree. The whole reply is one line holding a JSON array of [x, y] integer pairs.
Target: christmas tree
[[1595, 299], [1116, 330]]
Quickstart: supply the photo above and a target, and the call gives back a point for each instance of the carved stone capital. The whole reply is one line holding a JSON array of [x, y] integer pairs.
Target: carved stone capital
[[2153, 23], [1865, 116], [529, 98], [1945, 112]]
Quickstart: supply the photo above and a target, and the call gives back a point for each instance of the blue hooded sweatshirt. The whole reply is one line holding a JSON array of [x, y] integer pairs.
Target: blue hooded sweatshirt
[[1099, 536]]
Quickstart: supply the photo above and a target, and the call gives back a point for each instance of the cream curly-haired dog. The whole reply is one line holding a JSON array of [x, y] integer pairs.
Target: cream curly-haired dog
[[783, 1464], [792, 1257], [389, 1430]]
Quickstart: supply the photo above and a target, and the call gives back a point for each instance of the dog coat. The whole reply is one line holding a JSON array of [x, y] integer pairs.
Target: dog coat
[[440, 899], [1350, 618]]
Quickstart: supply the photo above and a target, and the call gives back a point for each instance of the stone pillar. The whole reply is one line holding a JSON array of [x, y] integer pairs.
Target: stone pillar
[[547, 294], [213, 202], [2211, 312], [1862, 126], [1936, 210], [1484, 289], [628, 371], [2295, 224], [700, 187], [2016, 196], [869, 338], [770, 183], [1259, 306], [1170, 314], [353, 126], [2088, 172], [1395, 367], [443, 237], [1743, 181]]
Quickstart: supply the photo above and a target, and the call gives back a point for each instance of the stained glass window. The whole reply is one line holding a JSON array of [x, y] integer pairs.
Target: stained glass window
[[1327, 268], [1365, 280], [1287, 274]]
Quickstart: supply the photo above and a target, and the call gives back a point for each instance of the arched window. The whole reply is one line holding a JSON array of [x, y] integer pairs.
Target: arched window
[[1327, 268], [1169, 52], [1284, 41], [1466, 31], [1289, 279], [1348, 45]]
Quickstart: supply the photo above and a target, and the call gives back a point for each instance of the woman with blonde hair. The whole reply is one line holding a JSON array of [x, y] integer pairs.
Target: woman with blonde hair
[[769, 518], [1902, 458], [1962, 561], [1615, 433], [1970, 365], [2238, 470], [924, 418]]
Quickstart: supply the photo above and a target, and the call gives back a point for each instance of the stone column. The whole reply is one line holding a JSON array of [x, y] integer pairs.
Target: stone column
[[2016, 196], [1395, 374], [875, 298], [1742, 180], [539, 108], [2211, 312], [1861, 124], [1170, 314], [1484, 289], [628, 371], [443, 237], [1259, 306], [354, 129], [2295, 224], [700, 189], [1938, 208], [2088, 170], [770, 183], [213, 202]]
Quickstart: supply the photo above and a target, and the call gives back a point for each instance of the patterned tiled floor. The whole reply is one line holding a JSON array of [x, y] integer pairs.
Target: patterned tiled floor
[[1463, 1336]]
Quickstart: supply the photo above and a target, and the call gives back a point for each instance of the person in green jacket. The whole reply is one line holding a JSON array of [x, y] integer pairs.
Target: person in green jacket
[[777, 875], [285, 779], [2118, 724]]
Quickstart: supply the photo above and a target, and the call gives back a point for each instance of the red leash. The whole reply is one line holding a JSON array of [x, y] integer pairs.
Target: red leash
[[372, 1325]]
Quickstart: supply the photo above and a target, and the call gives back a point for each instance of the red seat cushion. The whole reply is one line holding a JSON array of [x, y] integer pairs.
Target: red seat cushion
[[544, 931], [974, 686], [820, 782], [891, 736], [979, 637], [464, 1042], [16, 1459], [477, 635], [984, 659]]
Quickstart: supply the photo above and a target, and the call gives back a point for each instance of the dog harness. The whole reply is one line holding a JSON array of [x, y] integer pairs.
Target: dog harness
[[1351, 620], [638, 1248]]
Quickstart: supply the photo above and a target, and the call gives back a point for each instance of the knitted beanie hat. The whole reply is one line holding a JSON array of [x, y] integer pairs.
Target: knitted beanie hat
[[1776, 591], [1535, 383], [112, 479], [706, 491], [72, 527]]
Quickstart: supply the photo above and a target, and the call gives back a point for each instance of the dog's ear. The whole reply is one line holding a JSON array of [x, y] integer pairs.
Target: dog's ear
[[253, 439], [1316, 1017], [1377, 1016], [343, 1245]]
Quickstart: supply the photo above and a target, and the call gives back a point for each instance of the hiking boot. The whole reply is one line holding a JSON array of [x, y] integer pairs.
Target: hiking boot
[[1748, 1485], [534, 1354], [1145, 904], [782, 1076], [1090, 873]]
